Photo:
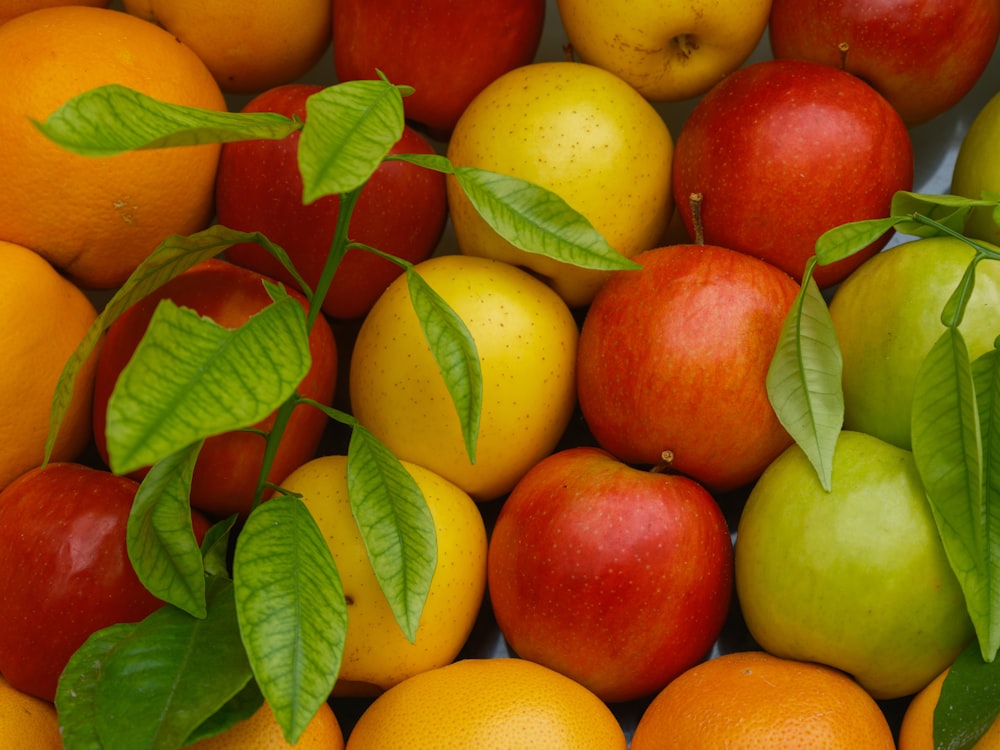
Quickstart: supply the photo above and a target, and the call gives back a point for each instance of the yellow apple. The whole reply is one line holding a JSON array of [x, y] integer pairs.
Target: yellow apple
[[668, 50], [377, 654], [977, 168], [584, 134], [526, 339]]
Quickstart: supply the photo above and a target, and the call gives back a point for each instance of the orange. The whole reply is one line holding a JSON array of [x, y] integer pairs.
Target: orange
[[755, 700], [43, 318], [487, 704], [262, 732], [250, 45], [97, 218], [27, 721], [917, 730], [13, 8]]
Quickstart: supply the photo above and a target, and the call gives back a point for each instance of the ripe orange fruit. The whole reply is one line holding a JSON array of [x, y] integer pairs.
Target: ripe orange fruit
[[27, 721], [755, 700], [13, 8], [43, 318], [97, 218], [487, 704], [262, 732], [917, 730]]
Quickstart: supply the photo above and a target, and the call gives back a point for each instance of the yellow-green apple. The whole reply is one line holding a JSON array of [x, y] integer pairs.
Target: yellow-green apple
[[447, 50], [526, 340], [923, 56], [402, 210], [783, 150], [856, 578], [64, 568], [673, 360], [227, 469], [377, 654], [584, 134], [887, 315], [617, 577], [667, 50], [977, 169]]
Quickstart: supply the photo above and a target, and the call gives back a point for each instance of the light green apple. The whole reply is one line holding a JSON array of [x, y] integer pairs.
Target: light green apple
[[856, 578], [977, 168]]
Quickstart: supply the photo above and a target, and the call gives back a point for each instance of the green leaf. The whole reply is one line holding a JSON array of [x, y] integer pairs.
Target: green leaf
[[950, 211], [241, 706], [947, 449], [396, 526], [537, 220], [215, 547], [437, 162], [163, 680], [455, 352], [969, 701], [189, 378], [804, 379], [161, 541], [112, 119], [348, 131], [847, 239], [292, 612]]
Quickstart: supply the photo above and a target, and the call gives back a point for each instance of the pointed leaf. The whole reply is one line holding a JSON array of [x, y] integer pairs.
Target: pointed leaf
[[292, 612], [215, 547], [240, 707], [396, 526], [455, 352], [969, 701], [537, 220], [804, 379], [190, 378], [112, 119], [947, 210], [161, 542], [348, 131], [845, 240]]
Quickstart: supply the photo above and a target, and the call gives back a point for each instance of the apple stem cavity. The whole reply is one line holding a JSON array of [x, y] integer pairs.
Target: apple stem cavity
[[685, 44]]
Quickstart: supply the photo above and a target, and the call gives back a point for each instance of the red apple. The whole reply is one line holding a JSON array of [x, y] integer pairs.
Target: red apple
[[226, 472], [448, 50], [923, 56], [781, 151], [402, 210], [673, 359], [64, 569], [616, 577]]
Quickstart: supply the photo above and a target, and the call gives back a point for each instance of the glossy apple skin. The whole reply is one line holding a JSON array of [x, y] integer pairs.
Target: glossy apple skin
[[225, 474], [402, 210], [447, 50], [64, 568], [783, 150], [616, 577], [923, 56], [674, 357]]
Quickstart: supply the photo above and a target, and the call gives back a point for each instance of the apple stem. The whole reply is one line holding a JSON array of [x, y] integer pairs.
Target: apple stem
[[568, 52], [666, 461], [843, 47], [699, 233]]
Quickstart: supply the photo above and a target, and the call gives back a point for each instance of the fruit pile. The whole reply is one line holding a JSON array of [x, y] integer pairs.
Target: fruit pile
[[524, 373]]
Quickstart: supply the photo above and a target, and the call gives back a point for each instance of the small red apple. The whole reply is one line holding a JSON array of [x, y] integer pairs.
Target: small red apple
[[673, 359], [923, 56], [402, 210], [447, 50], [616, 577], [64, 569], [226, 472], [783, 150]]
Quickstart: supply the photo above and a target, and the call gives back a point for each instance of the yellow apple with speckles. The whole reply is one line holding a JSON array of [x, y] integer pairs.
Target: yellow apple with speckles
[[582, 133], [377, 654], [526, 339], [667, 49]]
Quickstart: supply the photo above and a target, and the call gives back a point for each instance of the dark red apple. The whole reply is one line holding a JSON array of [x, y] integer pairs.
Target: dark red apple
[[64, 569], [673, 360], [923, 56], [783, 150], [616, 577], [402, 210], [225, 475], [447, 50]]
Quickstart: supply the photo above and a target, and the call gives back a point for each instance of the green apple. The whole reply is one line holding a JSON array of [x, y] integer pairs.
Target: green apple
[[977, 168], [526, 339], [584, 134], [887, 314], [856, 578], [668, 50]]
